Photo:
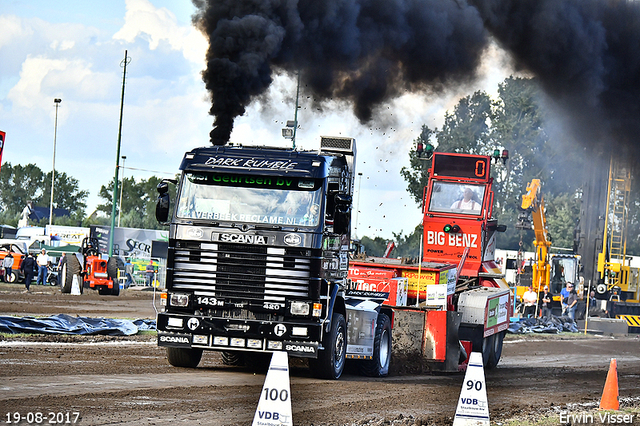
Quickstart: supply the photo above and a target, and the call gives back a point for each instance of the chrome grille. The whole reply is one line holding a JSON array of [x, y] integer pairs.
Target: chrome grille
[[240, 272]]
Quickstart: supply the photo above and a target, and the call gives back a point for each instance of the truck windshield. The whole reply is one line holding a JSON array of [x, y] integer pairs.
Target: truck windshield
[[254, 199], [460, 198]]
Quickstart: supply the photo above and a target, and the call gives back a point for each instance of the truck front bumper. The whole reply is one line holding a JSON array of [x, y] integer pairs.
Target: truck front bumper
[[300, 339]]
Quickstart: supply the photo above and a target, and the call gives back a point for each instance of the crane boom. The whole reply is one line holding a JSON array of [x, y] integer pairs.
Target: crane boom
[[533, 204]]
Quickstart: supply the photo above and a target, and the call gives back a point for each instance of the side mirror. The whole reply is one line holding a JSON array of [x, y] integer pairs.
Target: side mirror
[[342, 215], [501, 228], [163, 202]]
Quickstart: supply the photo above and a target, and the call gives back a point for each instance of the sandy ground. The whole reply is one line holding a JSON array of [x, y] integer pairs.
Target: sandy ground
[[126, 380]]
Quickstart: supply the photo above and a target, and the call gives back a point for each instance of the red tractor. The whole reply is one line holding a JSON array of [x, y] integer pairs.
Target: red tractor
[[92, 270]]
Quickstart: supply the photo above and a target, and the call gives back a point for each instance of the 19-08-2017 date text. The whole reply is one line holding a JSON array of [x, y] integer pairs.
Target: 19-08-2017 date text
[[38, 418]]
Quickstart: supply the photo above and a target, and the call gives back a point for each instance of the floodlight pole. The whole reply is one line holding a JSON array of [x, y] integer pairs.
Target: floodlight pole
[[114, 199], [53, 166]]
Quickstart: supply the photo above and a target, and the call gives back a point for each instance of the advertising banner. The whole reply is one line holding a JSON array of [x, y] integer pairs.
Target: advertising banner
[[64, 235], [129, 242]]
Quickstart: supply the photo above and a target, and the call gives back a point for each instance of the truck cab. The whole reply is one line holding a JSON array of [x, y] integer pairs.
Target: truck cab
[[258, 255]]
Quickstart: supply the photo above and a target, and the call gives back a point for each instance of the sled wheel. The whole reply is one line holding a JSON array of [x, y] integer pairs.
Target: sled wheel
[[184, 357], [379, 365], [496, 350], [487, 348], [331, 360]]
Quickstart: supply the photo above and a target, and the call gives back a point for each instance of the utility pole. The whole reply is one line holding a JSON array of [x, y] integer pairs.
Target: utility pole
[[124, 157], [123, 64]]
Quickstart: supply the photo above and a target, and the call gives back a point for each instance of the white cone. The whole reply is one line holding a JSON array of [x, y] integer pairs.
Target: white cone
[[75, 286], [473, 407], [274, 407]]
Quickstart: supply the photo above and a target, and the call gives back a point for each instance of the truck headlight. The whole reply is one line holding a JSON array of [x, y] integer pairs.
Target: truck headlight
[[179, 299], [299, 308]]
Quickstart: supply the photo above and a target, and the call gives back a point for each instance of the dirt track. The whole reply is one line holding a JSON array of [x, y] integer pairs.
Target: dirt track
[[126, 380]]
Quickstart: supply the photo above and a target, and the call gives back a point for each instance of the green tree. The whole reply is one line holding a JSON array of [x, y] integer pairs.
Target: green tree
[[66, 193], [138, 202], [19, 184]]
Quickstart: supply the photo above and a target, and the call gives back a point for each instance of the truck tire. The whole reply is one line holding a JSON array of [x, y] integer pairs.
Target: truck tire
[[331, 360], [379, 365], [70, 268], [232, 358], [183, 357]]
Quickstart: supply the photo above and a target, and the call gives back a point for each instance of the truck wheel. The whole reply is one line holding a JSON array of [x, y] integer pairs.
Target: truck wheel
[[70, 268], [379, 365], [232, 358], [331, 360], [183, 357]]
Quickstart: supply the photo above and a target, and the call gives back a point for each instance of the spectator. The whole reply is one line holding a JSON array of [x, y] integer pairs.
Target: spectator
[[43, 262], [530, 300], [572, 302], [128, 273], [150, 271], [7, 263], [27, 268], [547, 297], [61, 261], [564, 294]]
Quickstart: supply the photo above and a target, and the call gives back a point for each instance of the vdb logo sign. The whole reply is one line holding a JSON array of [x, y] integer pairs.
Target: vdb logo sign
[[268, 415]]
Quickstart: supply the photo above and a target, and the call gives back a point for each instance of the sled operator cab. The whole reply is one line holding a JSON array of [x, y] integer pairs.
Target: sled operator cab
[[459, 228]]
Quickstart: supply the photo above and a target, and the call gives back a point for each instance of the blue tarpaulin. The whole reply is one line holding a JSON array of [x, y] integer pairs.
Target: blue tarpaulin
[[66, 324], [552, 325]]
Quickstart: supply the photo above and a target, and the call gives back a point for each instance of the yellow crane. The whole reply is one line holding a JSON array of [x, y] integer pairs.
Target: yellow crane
[[548, 269], [533, 204]]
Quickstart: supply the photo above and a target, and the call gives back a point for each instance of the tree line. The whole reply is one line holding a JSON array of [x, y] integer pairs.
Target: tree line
[[20, 184]]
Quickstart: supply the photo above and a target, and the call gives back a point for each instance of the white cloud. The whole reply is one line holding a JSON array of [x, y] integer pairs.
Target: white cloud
[[12, 28], [159, 24]]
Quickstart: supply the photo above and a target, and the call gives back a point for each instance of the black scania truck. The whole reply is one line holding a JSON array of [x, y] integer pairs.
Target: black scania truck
[[258, 260]]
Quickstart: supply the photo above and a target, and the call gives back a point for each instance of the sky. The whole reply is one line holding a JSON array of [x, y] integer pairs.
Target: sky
[[74, 50]]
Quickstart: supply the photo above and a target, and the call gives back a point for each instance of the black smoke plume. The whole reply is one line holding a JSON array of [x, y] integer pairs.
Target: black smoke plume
[[363, 51], [585, 53]]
